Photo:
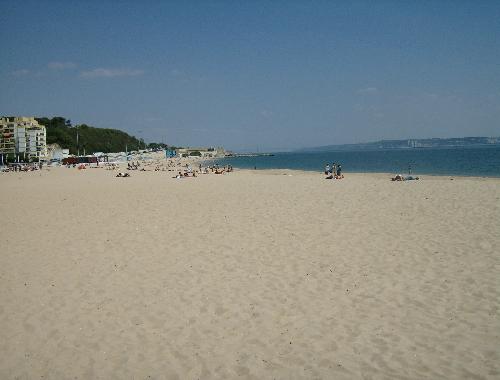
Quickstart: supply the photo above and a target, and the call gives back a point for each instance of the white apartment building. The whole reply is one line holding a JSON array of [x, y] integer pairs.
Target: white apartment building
[[23, 137]]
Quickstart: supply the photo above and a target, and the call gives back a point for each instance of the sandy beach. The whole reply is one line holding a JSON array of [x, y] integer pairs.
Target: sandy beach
[[252, 274]]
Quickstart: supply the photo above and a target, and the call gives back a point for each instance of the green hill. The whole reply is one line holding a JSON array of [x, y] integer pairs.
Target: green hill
[[91, 139]]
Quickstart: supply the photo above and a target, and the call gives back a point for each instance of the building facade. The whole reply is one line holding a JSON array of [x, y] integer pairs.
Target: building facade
[[22, 138], [201, 152]]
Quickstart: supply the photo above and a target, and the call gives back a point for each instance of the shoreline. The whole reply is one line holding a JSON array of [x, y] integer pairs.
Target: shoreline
[[277, 171], [373, 174]]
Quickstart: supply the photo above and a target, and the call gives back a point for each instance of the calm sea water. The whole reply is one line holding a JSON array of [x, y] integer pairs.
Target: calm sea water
[[482, 161]]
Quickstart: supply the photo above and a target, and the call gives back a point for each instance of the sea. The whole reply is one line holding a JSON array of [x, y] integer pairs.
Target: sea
[[456, 161]]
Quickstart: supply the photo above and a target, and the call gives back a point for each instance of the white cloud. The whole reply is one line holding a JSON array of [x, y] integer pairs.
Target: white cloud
[[368, 90], [110, 73], [20, 73], [61, 65]]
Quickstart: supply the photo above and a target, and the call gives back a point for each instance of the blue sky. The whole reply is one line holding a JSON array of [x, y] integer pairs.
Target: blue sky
[[251, 75]]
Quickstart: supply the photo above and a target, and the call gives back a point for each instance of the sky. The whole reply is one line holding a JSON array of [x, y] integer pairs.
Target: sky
[[256, 75]]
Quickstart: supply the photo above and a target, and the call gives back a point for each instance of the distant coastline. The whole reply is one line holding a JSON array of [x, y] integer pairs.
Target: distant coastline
[[249, 154], [410, 144]]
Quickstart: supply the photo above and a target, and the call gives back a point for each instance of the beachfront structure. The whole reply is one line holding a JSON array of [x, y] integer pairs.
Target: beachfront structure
[[55, 152], [170, 153], [201, 152], [22, 137]]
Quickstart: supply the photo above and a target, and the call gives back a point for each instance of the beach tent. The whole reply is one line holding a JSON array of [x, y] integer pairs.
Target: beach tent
[[169, 153]]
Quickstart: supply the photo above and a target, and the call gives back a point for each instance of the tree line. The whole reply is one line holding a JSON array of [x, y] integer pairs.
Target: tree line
[[91, 139]]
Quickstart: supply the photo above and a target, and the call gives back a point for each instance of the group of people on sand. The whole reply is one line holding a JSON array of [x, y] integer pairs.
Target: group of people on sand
[[409, 177], [218, 170], [333, 171], [22, 167], [183, 170], [400, 177], [134, 166], [215, 169], [111, 166]]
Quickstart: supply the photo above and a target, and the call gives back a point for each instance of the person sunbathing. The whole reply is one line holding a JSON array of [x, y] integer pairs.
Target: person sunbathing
[[398, 177]]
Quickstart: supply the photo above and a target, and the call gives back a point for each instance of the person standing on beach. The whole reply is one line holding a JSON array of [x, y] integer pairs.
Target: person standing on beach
[[327, 169], [334, 169], [339, 171]]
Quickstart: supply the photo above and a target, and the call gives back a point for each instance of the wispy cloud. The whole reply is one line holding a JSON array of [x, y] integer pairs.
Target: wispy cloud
[[266, 113], [152, 119], [110, 73], [176, 73], [368, 90], [20, 73], [61, 65]]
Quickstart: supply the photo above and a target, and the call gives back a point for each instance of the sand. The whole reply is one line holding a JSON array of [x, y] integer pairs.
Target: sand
[[253, 275]]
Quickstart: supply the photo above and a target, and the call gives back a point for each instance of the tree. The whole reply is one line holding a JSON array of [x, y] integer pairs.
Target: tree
[[94, 139], [156, 146]]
